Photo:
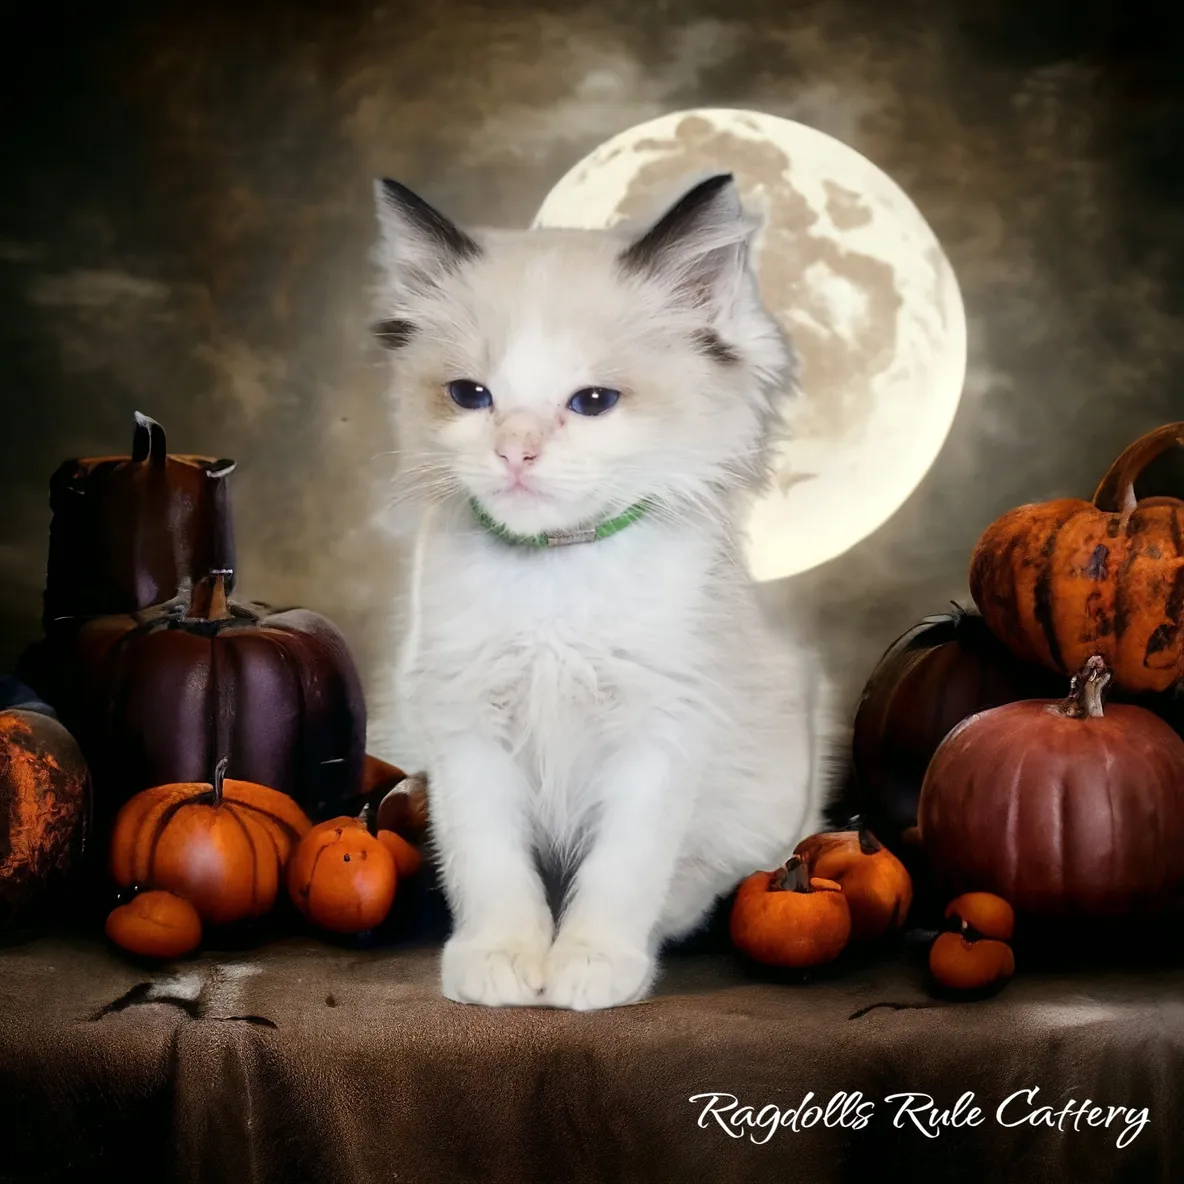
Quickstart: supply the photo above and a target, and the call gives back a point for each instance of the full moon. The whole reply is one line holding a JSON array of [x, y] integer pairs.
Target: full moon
[[858, 281]]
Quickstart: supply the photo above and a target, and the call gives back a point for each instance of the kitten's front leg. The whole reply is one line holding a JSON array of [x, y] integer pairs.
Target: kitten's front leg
[[502, 923], [604, 953]]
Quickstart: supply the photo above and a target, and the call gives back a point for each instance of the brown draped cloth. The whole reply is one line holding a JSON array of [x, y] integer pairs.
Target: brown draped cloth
[[302, 1060]]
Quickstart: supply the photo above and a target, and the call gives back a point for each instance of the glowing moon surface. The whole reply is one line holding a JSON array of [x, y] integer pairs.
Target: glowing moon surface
[[858, 280]]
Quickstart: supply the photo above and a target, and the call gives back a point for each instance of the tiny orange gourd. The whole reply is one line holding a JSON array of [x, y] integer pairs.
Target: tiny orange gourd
[[878, 887], [341, 877], [786, 918], [155, 924]]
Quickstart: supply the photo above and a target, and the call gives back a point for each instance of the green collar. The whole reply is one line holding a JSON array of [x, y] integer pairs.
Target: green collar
[[560, 538]]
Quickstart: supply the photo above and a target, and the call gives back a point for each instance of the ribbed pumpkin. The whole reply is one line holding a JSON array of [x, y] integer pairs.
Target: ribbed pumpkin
[[1064, 809], [223, 846], [157, 697], [942, 670], [1065, 580]]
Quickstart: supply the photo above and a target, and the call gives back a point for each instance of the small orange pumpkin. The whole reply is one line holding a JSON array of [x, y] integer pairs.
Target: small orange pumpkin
[[960, 964], [786, 918], [1061, 581], [222, 846], [974, 956], [877, 885], [156, 924], [408, 859], [982, 913], [341, 877]]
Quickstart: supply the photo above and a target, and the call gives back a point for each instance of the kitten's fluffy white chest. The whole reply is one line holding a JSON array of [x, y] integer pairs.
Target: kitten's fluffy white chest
[[555, 651]]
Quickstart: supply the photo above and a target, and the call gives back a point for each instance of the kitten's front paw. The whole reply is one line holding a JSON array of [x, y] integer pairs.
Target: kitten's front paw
[[507, 974], [583, 974]]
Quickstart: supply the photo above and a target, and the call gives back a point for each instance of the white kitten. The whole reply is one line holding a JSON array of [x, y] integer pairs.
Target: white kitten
[[616, 702]]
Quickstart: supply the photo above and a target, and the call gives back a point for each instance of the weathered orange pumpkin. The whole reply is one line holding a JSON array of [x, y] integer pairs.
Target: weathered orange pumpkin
[[1062, 581], [341, 877], [155, 924], [959, 963], [787, 918], [45, 806], [1062, 808], [223, 846], [877, 885]]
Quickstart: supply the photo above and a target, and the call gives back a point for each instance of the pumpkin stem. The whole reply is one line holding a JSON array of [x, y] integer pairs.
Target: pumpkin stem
[[1086, 692], [208, 602], [219, 777], [793, 877], [868, 843], [1116, 492], [365, 818], [148, 442]]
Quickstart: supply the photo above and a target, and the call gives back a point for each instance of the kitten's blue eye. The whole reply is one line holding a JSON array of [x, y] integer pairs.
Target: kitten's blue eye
[[472, 396], [593, 400]]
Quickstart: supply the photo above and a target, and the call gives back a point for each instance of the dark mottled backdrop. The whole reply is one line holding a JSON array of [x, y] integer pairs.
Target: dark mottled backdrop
[[186, 216]]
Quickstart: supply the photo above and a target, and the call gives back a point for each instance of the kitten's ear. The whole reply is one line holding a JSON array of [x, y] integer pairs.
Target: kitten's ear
[[417, 244], [699, 247]]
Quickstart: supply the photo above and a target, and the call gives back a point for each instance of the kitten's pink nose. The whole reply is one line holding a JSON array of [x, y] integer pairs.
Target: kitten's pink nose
[[518, 443]]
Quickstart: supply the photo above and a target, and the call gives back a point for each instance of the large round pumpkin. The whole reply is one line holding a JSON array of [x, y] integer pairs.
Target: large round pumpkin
[[131, 531], [1064, 580], [44, 809], [945, 668], [1061, 808], [222, 845], [157, 697]]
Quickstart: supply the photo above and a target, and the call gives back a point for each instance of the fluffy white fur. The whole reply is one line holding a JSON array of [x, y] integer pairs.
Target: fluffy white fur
[[619, 705]]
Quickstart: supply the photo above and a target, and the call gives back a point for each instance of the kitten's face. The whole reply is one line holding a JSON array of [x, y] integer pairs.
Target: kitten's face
[[558, 377]]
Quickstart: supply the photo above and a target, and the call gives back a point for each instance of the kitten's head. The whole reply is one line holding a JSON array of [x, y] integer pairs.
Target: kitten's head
[[560, 376]]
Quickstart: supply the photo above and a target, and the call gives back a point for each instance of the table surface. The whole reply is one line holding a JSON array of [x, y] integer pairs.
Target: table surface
[[303, 1060]]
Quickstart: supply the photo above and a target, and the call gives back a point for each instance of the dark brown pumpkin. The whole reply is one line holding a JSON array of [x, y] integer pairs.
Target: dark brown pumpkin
[[44, 810], [132, 531], [945, 668], [1062, 808], [159, 696], [1064, 580]]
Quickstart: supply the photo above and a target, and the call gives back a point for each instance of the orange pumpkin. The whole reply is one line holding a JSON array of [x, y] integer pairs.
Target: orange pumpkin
[[156, 924], [223, 846], [408, 859], [341, 877], [877, 885], [982, 914], [786, 918], [1062, 581], [961, 964]]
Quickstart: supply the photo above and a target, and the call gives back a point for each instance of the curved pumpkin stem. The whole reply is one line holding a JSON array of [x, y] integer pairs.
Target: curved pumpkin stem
[[793, 877], [868, 843], [148, 442], [1086, 692], [219, 778], [1116, 492]]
